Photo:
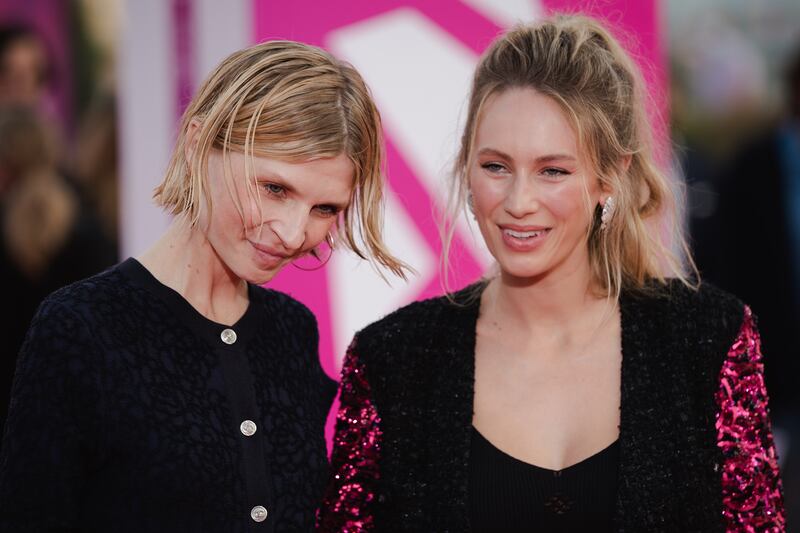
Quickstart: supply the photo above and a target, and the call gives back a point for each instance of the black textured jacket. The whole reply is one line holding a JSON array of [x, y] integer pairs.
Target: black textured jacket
[[401, 457], [127, 409]]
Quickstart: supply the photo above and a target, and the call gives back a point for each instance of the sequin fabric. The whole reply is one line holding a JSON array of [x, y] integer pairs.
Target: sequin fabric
[[348, 500], [751, 486]]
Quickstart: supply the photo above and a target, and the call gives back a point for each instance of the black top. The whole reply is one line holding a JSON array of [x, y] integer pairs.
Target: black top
[[129, 412], [509, 495]]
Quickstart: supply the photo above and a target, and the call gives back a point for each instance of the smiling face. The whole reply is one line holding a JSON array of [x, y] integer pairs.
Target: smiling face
[[533, 194], [293, 208]]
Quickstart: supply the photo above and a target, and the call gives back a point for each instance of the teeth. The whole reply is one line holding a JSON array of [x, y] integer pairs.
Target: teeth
[[523, 234]]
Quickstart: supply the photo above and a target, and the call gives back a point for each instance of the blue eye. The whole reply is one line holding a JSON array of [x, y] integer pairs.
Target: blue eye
[[274, 188], [551, 172], [493, 167], [327, 210]]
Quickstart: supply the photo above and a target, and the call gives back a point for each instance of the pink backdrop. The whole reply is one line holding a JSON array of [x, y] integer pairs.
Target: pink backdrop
[[312, 21], [464, 28]]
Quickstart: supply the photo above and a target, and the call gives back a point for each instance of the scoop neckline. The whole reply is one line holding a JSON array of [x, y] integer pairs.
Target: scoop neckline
[[582, 463]]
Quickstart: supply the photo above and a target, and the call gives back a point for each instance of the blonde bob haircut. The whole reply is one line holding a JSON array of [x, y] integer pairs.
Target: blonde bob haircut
[[575, 61], [290, 101]]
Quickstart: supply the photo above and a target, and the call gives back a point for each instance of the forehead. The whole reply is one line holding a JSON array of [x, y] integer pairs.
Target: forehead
[[523, 120]]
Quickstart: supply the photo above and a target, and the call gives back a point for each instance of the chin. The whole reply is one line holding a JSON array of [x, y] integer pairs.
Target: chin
[[523, 276], [260, 277], [525, 270], [251, 273], [519, 265]]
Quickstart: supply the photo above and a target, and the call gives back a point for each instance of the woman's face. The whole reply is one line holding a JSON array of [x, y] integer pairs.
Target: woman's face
[[529, 186], [22, 72], [291, 211]]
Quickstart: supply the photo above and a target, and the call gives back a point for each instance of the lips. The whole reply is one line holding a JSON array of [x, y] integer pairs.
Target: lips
[[268, 256], [524, 238]]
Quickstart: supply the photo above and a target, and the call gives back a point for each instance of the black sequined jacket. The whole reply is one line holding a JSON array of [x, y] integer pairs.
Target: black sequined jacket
[[131, 412], [696, 451]]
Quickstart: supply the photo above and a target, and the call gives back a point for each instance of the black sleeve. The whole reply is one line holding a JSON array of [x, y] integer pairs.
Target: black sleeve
[[51, 435]]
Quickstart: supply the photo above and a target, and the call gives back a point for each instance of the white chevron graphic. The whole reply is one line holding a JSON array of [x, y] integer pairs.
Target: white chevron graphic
[[359, 295], [507, 13]]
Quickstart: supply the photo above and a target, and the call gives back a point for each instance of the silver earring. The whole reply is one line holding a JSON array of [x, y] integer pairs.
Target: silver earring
[[471, 203], [608, 212]]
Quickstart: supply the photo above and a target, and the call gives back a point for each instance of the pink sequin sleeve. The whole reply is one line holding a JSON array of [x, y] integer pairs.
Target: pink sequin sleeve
[[752, 494], [349, 498]]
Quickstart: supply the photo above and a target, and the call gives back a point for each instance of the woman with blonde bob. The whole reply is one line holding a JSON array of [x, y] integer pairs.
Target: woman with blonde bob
[[591, 384], [171, 392]]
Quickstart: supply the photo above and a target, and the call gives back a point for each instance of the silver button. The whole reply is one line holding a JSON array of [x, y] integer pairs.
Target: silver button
[[248, 428], [228, 336], [258, 513]]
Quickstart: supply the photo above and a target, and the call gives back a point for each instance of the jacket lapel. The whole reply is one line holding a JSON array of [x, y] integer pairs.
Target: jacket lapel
[[654, 406]]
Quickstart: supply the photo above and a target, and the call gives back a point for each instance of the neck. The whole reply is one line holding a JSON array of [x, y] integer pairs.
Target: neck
[[184, 260], [550, 306]]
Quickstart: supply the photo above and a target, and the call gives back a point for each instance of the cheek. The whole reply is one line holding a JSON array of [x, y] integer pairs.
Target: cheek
[[567, 202], [259, 208], [317, 230], [224, 212], [224, 222], [222, 225], [487, 195], [254, 205]]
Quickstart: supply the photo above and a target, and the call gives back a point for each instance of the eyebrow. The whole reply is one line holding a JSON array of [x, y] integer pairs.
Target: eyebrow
[[543, 159]]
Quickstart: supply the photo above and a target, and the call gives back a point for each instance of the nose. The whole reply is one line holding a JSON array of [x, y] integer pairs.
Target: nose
[[522, 197], [290, 227]]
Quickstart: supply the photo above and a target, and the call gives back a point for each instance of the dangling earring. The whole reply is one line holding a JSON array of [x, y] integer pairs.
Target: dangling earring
[[471, 203], [607, 213], [316, 254]]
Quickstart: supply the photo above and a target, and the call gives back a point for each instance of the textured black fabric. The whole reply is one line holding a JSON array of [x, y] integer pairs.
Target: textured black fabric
[[510, 496], [420, 365], [126, 409]]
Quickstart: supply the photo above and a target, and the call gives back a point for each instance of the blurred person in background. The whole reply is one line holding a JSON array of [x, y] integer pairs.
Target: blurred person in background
[[94, 162], [25, 73], [48, 238], [172, 392], [755, 252], [51, 234], [27, 80]]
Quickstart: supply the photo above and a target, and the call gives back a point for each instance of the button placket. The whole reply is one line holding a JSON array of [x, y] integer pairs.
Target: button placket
[[238, 379]]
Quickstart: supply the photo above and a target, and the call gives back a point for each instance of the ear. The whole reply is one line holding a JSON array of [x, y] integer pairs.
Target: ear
[[605, 188], [190, 144], [625, 163], [605, 192]]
